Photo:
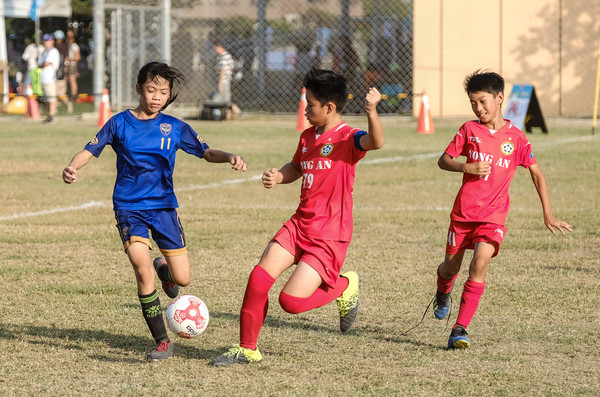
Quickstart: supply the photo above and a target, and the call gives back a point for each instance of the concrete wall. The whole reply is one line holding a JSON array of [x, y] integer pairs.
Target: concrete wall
[[551, 44]]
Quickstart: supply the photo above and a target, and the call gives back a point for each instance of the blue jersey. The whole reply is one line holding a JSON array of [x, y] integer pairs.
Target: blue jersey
[[146, 152]]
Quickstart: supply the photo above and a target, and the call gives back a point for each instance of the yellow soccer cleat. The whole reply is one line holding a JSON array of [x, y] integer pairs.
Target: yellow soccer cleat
[[237, 355], [348, 302]]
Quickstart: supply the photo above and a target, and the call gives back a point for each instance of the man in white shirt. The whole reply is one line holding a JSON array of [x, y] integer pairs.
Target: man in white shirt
[[49, 61]]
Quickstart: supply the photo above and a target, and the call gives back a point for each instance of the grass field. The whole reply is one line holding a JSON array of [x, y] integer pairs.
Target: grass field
[[71, 322]]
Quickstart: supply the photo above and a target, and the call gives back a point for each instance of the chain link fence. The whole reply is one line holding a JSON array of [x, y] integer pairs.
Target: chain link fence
[[273, 42]]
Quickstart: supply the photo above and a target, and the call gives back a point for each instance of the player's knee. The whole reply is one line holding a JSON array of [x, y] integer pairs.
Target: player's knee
[[182, 281], [478, 269], [291, 304], [480, 264]]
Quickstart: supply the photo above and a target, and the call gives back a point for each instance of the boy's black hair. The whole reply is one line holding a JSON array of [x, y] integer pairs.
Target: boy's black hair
[[327, 86], [154, 70], [484, 81]]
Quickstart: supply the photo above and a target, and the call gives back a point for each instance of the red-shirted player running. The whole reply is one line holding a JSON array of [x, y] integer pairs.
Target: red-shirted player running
[[318, 234], [493, 148]]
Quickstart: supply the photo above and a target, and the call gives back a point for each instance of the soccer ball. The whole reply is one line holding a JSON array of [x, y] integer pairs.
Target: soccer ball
[[187, 316]]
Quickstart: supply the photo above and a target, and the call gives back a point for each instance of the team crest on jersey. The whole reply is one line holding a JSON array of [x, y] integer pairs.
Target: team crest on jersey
[[94, 141], [326, 149], [165, 129], [507, 148]]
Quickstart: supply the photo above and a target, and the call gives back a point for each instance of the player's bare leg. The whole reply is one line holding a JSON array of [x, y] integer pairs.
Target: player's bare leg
[[303, 282], [139, 256], [173, 271], [481, 258], [180, 269]]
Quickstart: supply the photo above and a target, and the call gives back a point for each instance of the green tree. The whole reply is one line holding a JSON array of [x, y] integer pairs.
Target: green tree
[[397, 8]]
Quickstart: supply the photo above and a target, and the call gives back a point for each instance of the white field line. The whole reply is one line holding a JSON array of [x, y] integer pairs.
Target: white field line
[[107, 203], [83, 206]]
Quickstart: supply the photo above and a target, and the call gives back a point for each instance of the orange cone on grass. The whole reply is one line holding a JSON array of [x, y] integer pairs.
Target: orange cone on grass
[[33, 109], [302, 122], [425, 125], [104, 113]]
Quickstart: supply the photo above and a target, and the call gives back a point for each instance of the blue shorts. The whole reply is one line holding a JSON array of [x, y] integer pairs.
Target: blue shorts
[[164, 224]]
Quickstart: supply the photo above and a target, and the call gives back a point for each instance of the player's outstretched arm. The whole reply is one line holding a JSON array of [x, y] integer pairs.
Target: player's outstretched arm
[[447, 163], [287, 174], [69, 173], [219, 156], [373, 140], [539, 180]]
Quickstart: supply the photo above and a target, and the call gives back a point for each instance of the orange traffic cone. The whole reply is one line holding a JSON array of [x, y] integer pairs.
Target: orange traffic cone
[[104, 113], [302, 123], [425, 125], [33, 109]]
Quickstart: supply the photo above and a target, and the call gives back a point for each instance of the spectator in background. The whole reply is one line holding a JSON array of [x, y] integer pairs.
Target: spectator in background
[[49, 61], [30, 55], [61, 82], [14, 66], [72, 61], [225, 66]]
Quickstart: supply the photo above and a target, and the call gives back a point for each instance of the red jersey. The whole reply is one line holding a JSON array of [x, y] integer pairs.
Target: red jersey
[[328, 165], [485, 198]]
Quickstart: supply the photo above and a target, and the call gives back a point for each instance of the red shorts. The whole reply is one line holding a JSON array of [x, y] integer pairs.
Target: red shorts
[[325, 256], [464, 235]]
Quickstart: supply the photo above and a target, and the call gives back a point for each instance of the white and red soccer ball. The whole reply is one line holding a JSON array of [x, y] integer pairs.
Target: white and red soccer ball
[[187, 316]]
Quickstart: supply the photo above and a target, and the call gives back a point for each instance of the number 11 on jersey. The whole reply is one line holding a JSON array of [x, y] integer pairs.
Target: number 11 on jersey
[[162, 143]]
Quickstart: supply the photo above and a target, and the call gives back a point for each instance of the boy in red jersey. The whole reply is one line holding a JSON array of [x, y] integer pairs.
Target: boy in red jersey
[[318, 234], [494, 148]]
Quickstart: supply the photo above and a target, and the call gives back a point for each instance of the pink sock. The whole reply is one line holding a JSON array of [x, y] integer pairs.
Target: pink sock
[[469, 302], [443, 285], [255, 306], [322, 296]]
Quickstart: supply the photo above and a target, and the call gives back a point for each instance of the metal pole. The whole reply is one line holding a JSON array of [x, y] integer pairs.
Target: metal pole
[[262, 50], [114, 62], [4, 62], [98, 51], [166, 31], [129, 94], [142, 41], [345, 20]]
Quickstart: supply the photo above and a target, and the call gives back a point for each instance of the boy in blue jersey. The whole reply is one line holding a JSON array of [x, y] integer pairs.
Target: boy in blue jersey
[[145, 141]]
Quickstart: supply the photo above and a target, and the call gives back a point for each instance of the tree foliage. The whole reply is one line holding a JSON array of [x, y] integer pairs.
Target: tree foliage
[[398, 8]]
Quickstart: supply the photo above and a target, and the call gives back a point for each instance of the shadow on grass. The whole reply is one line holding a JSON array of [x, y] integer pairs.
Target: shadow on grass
[[123, 348], [296, 321], [305, 323]]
